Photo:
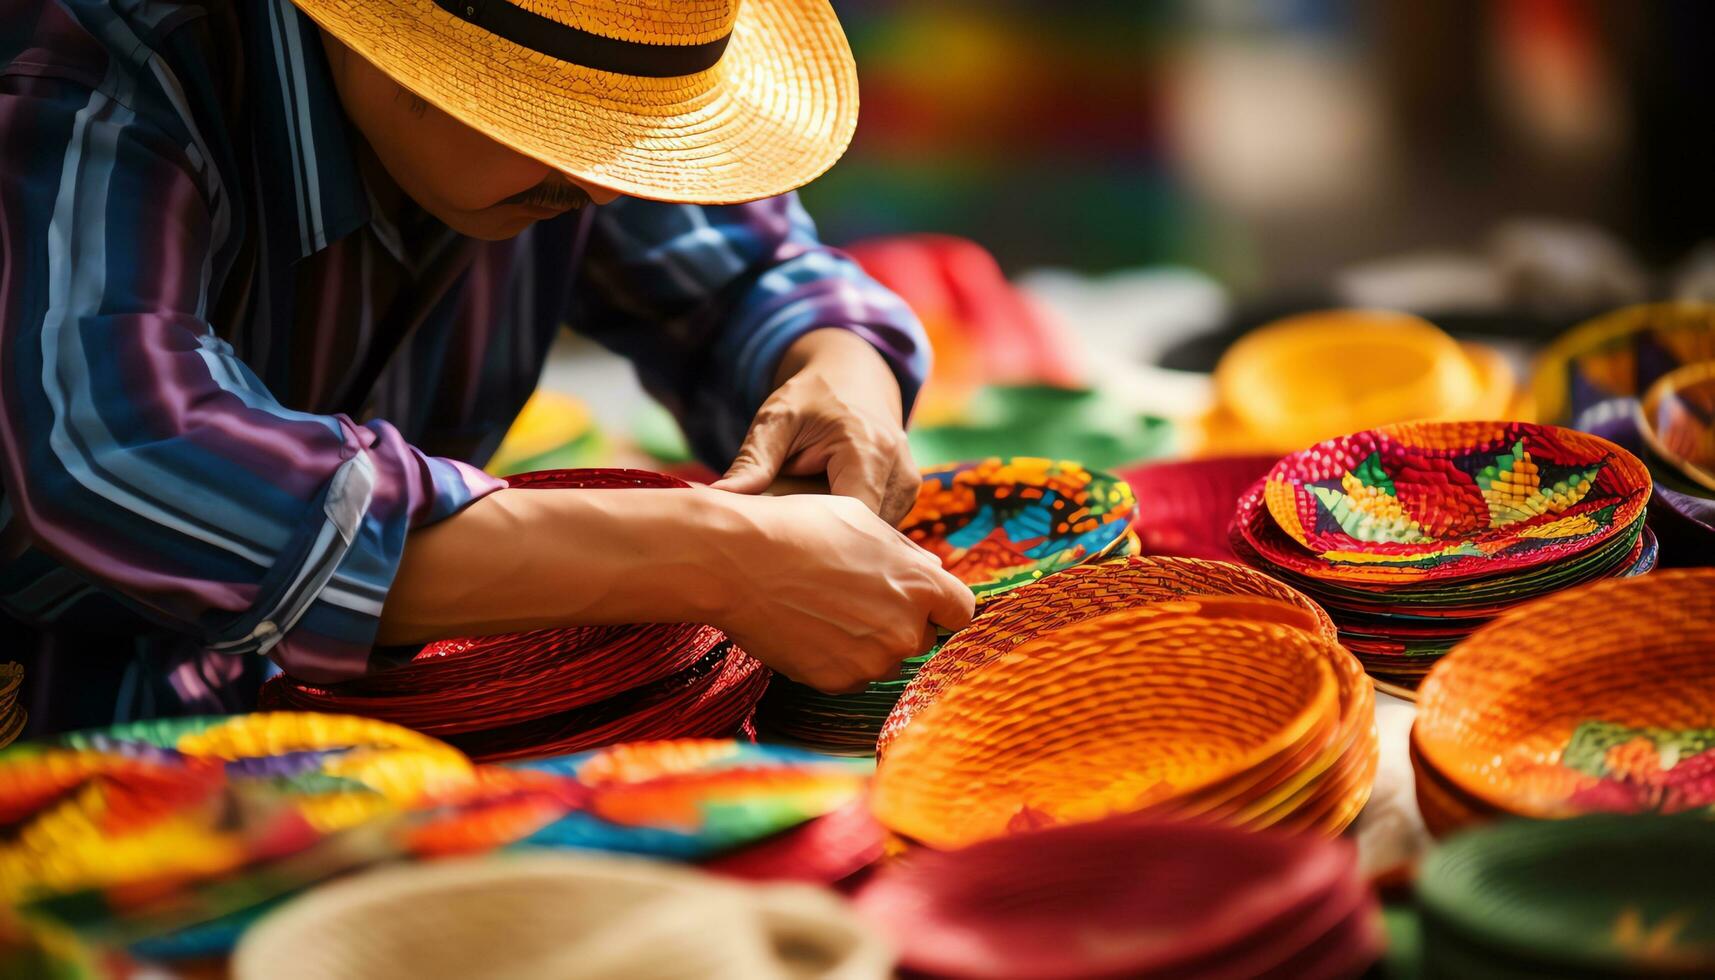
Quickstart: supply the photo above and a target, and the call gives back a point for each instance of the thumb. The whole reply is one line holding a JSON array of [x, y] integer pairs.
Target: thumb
[[759, 460]]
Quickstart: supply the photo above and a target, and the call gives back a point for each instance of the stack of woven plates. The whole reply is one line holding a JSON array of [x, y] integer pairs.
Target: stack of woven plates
[[12, 714], [1412, 536], [553, 691], [1054, 708], [1596, 896], [996, 524], [1129, 898], [1597, 699]]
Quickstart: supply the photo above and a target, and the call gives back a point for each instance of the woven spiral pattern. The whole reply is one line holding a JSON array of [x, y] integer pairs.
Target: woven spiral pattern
[[1601, 698], [1128, 712], [1079, 594], [775, 112]]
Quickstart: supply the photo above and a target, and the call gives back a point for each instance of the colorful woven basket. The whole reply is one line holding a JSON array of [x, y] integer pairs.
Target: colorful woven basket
[[1129, 712], [1453, 498], [1124, 897], [1597, 699], [1001, 523], [1677, 421]]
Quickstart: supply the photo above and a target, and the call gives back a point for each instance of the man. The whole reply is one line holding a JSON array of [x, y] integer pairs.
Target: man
[[273, 276]]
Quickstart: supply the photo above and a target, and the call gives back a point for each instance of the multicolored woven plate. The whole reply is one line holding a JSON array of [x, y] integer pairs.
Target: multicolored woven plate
[[1129, 712], [1596, 699], [691, 798], [1453, 498], [1000, 523]]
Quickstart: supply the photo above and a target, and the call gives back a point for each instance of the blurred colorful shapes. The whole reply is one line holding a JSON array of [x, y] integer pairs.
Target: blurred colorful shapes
[[1088, 425], [552, 431], [691, 799], [1188, 505], [1597, 372], [1315, 376], [1677, 422]]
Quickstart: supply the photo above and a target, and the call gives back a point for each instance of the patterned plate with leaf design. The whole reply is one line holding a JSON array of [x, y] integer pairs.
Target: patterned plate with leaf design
[[1434, 496]]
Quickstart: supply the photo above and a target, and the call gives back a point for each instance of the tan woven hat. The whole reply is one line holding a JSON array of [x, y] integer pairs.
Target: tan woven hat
[[696, 101]]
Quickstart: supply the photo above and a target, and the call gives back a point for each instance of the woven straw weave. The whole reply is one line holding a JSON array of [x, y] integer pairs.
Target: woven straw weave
[[1497, 713], [1123, 713]]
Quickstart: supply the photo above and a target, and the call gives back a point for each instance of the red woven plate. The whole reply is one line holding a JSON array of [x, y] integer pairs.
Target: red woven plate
[[1436, 498], [1186, 506], [1127, 898]]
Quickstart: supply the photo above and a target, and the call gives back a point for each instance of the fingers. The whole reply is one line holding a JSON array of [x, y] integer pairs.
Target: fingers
[[952, 604], [931, 636], [901, 494], [853, 472], [759, 460]]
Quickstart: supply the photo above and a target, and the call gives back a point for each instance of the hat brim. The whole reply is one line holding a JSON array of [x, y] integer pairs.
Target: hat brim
[[775, 112]]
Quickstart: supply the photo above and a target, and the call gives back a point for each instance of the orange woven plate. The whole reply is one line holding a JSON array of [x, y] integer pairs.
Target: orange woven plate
[[1129, 712], [1078, 594], [1600, 698], [1441, 498]]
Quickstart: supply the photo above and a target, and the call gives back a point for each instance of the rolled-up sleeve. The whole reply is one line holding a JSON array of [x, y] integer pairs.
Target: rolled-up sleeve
[[705, 300], [141, 456]]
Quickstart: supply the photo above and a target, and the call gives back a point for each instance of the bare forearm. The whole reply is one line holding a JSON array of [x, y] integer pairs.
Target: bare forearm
[[526, 559]]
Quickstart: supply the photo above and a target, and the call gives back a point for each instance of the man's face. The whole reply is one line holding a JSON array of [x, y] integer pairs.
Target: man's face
[[475, 185]]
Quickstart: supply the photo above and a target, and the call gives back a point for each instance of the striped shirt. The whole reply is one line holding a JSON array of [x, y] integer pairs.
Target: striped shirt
[[229, 386]]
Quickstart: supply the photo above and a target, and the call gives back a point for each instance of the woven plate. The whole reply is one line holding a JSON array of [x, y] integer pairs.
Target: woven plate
[[998, 524], [1677, 421], [1189, 504], [694, 798], [1128, 712], [1598, 369], [1124, 897], [1079, 594], [558, 915], [1572, 704], [1455, 497], [1306, 377], [1595, 896]]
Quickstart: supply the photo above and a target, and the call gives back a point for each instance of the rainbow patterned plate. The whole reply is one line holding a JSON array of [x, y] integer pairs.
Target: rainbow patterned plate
[[694, 798], [1000, 523], [1433, 499]]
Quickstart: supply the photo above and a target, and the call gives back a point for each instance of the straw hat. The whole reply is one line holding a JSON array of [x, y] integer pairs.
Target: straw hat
[[698, 101]]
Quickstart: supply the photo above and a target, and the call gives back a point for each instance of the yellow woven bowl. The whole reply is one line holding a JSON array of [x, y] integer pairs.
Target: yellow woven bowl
[[1599, 698], [1129, 712], [1314, 376]]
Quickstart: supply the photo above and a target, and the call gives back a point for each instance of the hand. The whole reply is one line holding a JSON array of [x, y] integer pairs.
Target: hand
[[836, 410], [827, 593]]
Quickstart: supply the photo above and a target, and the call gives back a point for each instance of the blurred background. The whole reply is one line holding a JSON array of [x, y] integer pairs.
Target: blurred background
[[1271, 143]]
